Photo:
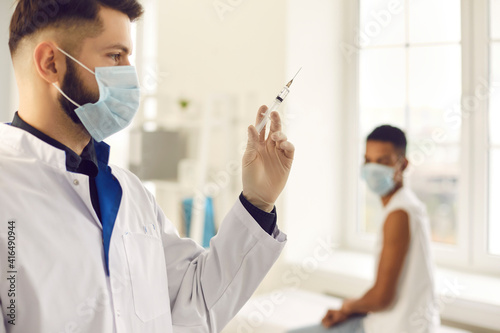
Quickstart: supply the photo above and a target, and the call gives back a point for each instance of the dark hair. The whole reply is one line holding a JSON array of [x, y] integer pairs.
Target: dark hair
[[31, 16], [387, 133]]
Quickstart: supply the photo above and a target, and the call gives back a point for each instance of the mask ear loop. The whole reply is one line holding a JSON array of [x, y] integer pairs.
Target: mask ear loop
[[78, 62], [69, 99], [75, 60]]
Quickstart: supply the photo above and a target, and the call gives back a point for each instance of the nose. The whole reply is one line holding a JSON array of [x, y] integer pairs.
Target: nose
[[126, 61]]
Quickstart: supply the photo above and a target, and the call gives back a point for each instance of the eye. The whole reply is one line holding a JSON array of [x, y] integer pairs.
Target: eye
[[115, 56]]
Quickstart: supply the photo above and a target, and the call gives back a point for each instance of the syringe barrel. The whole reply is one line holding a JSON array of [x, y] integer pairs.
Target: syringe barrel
[[282, 95], [274, 107]]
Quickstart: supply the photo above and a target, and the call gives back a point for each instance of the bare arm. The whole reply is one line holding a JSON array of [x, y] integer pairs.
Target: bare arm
[[396, 236], [395, 246]]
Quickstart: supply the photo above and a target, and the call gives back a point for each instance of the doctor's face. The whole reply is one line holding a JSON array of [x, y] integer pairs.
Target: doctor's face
[[111, 48]]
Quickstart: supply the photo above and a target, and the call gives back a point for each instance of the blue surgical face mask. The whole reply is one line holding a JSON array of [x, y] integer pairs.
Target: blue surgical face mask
[[379, 178], [119, 96]]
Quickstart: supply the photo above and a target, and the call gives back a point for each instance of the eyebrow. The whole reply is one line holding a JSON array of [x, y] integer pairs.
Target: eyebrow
[[121, 47], [384, 157]]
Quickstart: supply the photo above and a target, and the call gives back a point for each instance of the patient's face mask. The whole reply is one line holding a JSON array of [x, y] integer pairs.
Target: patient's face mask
[[379, 178], [119, 96]]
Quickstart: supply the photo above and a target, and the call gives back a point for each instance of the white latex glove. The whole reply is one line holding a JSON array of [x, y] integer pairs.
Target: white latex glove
[[266, 163]]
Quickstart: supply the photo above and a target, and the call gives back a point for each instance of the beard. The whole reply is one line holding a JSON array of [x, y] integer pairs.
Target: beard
[[73, 87]]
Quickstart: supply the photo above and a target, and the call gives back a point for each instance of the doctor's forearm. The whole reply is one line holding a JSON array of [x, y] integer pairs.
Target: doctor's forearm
[[210, 287]]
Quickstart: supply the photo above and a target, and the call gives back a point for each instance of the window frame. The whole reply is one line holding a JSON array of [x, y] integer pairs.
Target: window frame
[[481, 258], [470, 252]]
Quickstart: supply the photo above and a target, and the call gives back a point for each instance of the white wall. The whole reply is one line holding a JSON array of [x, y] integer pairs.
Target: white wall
[[241, 52], [314, 192]]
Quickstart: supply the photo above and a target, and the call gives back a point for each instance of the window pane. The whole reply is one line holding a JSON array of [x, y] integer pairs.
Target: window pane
[[417, 88], [382, 22], [435, 88], [382, 94], [495, 22], [435, 21], [495, 93], [494, 218], [434, 176], [382, 99]]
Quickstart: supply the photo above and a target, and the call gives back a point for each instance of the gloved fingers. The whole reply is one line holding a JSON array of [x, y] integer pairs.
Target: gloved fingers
[[260, 116], [275, 122], [281, 143], [253, 135], [288, 148], [278, 137]]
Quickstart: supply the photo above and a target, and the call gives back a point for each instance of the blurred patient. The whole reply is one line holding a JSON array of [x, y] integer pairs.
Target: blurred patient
[[402, 298]]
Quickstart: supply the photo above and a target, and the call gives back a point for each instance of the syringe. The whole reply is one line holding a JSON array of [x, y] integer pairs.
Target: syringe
[[276, 104]]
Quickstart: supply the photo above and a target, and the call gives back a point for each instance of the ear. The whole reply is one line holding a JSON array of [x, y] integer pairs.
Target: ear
[[405, 164], [398, 176], [49, 63]]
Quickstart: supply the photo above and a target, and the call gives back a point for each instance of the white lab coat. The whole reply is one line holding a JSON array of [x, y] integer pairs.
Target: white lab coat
[[158, 281]]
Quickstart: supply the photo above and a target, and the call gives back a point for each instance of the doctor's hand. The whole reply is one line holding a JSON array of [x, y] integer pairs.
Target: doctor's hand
[[266, 163]]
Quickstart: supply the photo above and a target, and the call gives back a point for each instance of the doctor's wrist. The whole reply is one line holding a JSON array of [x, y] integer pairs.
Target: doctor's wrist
[[262, 205]]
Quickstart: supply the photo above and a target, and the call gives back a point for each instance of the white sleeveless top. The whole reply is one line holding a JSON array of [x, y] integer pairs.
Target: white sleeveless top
[[414, 308]]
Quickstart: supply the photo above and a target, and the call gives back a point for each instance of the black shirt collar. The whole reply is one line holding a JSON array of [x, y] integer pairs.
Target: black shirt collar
[[85, 164]]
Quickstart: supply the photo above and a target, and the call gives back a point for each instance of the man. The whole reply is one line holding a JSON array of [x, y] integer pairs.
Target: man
[[402, 298], [84, 247]]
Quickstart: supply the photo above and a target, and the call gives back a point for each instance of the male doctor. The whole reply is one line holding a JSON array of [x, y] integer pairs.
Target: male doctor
[[84, 247]]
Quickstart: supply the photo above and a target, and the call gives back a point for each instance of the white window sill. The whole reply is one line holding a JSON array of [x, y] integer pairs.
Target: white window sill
[[462, 297]]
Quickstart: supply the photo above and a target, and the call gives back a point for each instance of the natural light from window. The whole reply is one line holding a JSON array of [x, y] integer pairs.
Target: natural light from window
[[410, 76]]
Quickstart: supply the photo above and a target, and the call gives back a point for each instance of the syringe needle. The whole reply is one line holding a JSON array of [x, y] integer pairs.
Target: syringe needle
[[291, 81], [276, 104]]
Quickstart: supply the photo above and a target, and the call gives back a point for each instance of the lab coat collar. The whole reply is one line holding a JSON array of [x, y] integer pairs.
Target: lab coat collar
[[27, 144], [86, 163], [24, 143]]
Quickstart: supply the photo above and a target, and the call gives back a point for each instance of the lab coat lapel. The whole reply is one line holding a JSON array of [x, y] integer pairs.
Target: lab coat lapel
[[30, 145]]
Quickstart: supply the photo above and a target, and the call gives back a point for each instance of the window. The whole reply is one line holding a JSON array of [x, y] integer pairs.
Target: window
[[419, 67], [420, 63]]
